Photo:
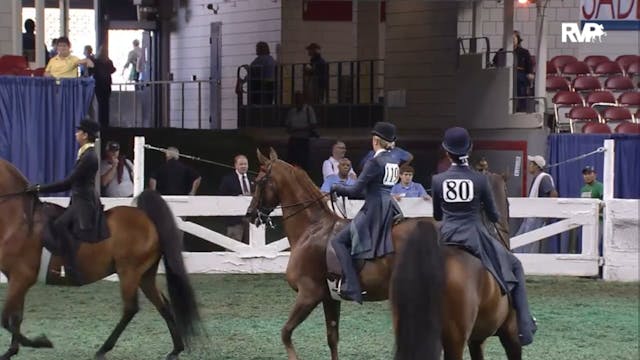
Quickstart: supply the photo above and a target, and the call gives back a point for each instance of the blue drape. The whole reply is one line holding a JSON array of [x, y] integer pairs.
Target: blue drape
[[38, 118], [568, 177]]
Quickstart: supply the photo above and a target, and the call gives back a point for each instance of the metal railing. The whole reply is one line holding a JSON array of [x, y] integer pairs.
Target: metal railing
[[167, 103]]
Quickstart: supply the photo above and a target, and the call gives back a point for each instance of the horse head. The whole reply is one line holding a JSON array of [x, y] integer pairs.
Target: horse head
[[265, 198]]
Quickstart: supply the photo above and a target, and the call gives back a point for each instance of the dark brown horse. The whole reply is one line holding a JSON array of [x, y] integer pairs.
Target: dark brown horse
[[473, 307], [139, 238], [309, 223]]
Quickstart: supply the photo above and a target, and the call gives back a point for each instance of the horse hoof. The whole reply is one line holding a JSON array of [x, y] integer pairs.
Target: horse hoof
[[100, 356], [172, 357], [42, 342]]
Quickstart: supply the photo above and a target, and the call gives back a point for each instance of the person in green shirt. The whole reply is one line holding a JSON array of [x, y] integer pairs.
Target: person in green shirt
[[592, 188]]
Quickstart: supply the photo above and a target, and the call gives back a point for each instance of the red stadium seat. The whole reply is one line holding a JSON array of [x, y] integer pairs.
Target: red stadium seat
[[38, 72], [581, 114], [594, 60], [607, 68], [561, 60], [617, 114], [628, 128], [631, 98], [564, 100], [637, 115], [619, 82], [551, 68], [634, 69], [600, 97], [11, 64], [626, 60], [576, 68], [555, 83], [586, 83], [596, 128]]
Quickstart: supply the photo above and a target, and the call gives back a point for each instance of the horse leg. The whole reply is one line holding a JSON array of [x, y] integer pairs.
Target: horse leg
[[129, 289], [12, 317], [305, 303], [453, 347], [475, 350], [508, 335], [332, 320], [150, 290]]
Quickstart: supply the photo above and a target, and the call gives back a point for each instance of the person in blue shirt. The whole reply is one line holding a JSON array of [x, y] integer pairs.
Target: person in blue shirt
[[368, 235], [459, 195], [344, 167], [406, 187], [400, 154]]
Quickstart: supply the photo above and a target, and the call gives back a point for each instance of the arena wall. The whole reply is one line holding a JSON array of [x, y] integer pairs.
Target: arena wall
[[244, 23]]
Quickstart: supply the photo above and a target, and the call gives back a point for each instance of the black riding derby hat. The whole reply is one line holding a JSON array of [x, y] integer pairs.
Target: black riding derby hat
[[89, 126], [385, 130], [457, 141]]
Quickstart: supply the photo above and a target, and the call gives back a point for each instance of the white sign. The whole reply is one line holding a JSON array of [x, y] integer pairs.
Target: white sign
[[590, 32], [615, 15]]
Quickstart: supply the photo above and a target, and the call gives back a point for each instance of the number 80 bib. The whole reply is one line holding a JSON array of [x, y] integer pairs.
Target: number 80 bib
[[457, 190]]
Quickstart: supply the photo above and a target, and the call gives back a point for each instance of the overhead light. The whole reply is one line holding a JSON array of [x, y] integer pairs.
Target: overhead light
[[526, 2]]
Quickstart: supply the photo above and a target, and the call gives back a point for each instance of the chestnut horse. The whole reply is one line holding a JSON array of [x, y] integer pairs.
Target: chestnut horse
[[140, 236], [309, 224], [473, 307]]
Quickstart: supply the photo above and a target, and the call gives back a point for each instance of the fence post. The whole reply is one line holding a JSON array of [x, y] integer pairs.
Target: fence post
[[138, 165], [608, 177]]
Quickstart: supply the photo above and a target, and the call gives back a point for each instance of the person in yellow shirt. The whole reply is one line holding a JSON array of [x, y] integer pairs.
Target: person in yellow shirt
[[65, 65]]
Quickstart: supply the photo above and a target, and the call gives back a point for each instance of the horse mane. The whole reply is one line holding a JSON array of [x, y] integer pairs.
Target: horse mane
[[498, 185], [15, 182], [309, 187]]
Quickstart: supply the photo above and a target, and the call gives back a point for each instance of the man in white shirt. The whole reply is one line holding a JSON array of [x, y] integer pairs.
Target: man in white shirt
[[116, 173], [331, 166]]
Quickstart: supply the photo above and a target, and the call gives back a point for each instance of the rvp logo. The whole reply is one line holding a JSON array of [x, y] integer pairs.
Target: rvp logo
[[589, 33]]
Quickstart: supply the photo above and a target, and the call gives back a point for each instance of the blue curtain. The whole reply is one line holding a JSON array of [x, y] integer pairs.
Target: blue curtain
[[568, 177], [38, 118]]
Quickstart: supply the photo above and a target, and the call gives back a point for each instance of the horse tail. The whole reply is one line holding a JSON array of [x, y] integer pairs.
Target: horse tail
[[181, 295], [417, 283]]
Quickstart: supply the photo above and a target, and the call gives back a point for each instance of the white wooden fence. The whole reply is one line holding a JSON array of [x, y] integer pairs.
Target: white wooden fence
[[621, 243]]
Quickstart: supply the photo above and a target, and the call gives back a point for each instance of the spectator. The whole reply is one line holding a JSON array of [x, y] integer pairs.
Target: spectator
[[406, 187], [54, 49], [102, 75], [135, 59], [524, 73], [174, 177], [301, 125], [65, 65], [593, 189], [541, 186], [237, 183], [330, 166], [400, 154], [116, 172], [262, 76], [316, 75], [342, 177], [482, 166], [29, 42], [88, 54]]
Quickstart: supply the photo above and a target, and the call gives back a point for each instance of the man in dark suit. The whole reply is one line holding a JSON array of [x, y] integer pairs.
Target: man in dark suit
[[84, 217], [237, 183]]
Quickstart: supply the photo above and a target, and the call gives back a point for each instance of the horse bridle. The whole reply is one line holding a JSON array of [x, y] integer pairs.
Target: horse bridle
[[263, 214]]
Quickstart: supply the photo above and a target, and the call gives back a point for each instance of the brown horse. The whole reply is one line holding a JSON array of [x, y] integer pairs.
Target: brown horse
[[473, 307], [139, 238], [309, 224], [465, 304]]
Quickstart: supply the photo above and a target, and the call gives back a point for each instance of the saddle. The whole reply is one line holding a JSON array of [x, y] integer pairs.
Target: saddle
[[54, 263]]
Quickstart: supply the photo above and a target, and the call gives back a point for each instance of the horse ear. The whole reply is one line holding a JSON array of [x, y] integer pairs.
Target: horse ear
[[263, 160], [273, 155], [505, 176]]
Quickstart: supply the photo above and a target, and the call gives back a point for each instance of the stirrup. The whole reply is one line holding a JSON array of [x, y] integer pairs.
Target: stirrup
[[339, 289]]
